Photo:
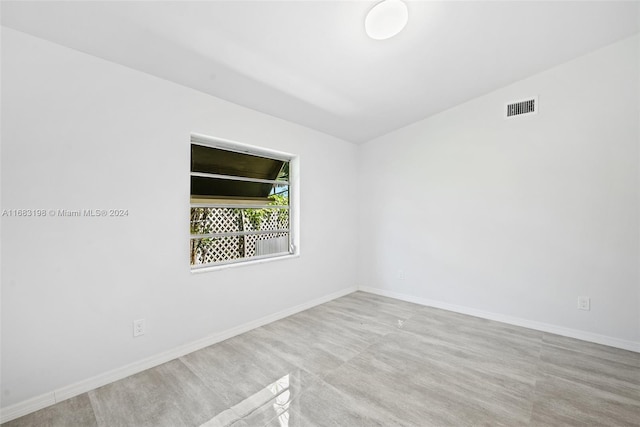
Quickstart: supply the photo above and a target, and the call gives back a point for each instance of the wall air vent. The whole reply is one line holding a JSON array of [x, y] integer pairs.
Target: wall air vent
[[519, 108]]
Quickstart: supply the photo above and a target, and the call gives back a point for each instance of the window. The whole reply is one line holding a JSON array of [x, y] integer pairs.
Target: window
[[240, 203]]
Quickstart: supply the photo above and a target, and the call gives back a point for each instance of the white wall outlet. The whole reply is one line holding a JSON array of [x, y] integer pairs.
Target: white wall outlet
[[139, 327], [401, 274], [584, 303]]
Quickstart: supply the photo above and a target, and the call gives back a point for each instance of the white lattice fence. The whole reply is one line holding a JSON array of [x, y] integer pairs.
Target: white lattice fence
[[218, 249], [229, 220], [276, 220], [210, 250], [215, 220]]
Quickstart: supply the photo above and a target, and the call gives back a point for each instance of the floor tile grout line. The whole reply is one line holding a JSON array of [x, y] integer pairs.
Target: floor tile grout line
[[93, 409]]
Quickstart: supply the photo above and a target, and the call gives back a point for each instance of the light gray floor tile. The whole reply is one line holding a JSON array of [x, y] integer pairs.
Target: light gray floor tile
[[259, 408], [168, 395], [392, 304], [460, 329], [366, 360], [602, 352], [282, 395], [420, 382], [369, 307], [559, 402], [331, 318], [591, 370], [323, 405], [314, 351], [325, 335], [74, 412], [240, 367], [248, 376]]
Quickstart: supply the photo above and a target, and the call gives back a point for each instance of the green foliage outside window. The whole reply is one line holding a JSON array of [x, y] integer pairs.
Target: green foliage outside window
[[258, 216]]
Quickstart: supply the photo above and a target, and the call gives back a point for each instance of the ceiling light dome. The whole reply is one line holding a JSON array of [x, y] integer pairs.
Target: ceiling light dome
[[386, 19]]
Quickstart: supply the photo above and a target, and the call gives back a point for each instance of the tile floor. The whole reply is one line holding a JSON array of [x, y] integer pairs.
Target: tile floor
[[366, 360]]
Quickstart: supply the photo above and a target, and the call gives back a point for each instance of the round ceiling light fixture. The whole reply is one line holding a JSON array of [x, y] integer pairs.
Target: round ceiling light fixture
[[386, 19]]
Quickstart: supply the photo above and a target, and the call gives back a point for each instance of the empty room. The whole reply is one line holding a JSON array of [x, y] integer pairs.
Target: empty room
[[320, 213]]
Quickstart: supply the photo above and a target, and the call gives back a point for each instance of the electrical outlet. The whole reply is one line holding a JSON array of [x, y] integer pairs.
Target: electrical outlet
[[401, 275], [139, 327], [584, 303]]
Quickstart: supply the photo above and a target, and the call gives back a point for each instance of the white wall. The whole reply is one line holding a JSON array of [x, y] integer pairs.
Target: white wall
[[514, 219], [82, 133]]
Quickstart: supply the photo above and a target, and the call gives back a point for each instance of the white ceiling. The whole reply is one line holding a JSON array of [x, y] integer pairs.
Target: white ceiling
[[310, 62]]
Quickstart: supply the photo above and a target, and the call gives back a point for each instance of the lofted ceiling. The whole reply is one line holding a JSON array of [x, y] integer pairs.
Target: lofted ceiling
[[310, 62]]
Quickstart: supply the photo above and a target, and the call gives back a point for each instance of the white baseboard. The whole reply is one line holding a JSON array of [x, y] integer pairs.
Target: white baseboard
[[531, 324], [27, 406], [47, 399]]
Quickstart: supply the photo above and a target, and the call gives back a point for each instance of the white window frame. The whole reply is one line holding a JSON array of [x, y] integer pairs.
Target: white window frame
[[294, 197]]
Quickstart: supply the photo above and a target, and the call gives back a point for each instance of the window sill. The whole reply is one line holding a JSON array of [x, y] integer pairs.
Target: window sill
[[242, 264]]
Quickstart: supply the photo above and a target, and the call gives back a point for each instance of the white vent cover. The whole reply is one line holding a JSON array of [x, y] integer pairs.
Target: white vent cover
[[524, 107]]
